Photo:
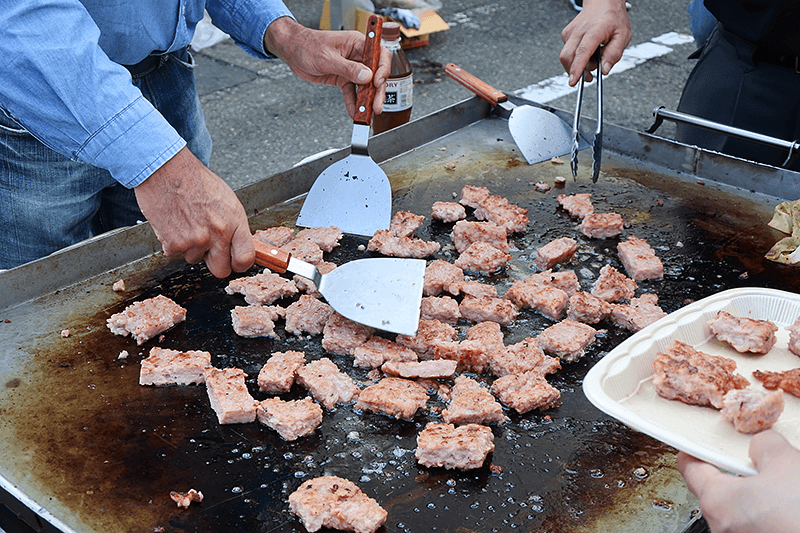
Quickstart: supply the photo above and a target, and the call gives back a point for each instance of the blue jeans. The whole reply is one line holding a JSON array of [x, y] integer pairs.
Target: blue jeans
[[48, 202]]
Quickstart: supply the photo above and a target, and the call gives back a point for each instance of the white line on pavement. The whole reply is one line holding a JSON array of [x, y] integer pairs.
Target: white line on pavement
[[557, 86]]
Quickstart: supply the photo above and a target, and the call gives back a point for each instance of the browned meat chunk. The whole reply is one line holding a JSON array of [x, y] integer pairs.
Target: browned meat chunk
[[433, 369], [488, 309], [377, 350], [405, 223], [146, 319], [307, 315], [171, 367], [448, 211], [577, 205], [525, 392], [752, 411], [583, 307], [229, 396], [278, 373], [386, 243], [567, 340], [788, 380], [555, 252], [472, 196], [466, 233], [641, 312], [444, 445], [306, 285], [341, 335], [476, 289], [794, 337], [276, 236], [336, 503], [441, 308], [471, 403], [326, 238], [482, 257], [304, 249], [639, 259], [602, 225], [533, 294], [613, 286], [291, 419], [474, 353], [525, 356], [262, 289], [693, 377], [429, 333], [185, 499], [498, 210], [256, 320], [397, 397], [744, 334], [439, 275], [326, 383]]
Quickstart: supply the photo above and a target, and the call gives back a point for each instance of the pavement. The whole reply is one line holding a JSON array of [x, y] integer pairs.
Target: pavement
[[264, 119]]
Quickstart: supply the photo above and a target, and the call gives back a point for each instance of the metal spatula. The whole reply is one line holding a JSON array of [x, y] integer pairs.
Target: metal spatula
[[382, 292], [354, 194]]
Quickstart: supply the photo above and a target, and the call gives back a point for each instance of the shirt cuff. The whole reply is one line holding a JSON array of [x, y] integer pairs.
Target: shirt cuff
[[133, 144]]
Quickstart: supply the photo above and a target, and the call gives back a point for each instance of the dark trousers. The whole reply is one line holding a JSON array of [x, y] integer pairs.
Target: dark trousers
[[730, 87]]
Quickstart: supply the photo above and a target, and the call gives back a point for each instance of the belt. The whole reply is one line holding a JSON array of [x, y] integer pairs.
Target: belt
[[153, 61]]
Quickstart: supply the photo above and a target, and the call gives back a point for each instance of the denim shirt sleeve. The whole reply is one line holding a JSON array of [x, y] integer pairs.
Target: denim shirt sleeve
[[60, 86], [246, 21]]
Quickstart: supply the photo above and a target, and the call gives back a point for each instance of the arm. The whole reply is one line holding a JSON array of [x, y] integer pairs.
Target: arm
[[600, 22], [767, 502], [329, 58]]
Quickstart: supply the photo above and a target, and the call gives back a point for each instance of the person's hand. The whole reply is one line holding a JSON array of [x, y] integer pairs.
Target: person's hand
[[328, 58], [600, 22], [766, 502], [196, 215]]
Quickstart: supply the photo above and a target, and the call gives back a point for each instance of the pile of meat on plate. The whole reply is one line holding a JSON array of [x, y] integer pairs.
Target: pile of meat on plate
[[406, 370], [693, 377]]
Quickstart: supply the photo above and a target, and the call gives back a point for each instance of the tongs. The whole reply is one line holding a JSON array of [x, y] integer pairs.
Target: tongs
[[597, 142]]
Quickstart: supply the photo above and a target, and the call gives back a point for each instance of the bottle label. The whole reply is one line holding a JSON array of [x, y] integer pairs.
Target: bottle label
[[399, 94]]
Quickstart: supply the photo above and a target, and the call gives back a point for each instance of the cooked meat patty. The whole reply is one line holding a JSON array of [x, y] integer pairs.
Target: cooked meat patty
[[397, 397], [326, 238], [146, 319], [752, 411], [442, 368], [466, 233], [279, 372], [602, 225], [448, 211], [262, 289], [291, 419], [744, 334], [228, 395], [171, 367], [377, 350], [787, 381], [525, 392], [488, 308], [555, 252], [439, 275], [639, 259], [482, 257], [307, 315], [693, 377], [336, 503], [613, 286], [567, 340], [471, 403], [444, 445], [586, 308], [341, 335], [326, 383], [256, 320], [577, 205], [641, 312]]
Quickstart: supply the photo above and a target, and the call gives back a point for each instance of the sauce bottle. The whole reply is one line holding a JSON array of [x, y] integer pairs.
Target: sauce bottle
[[399, 87]]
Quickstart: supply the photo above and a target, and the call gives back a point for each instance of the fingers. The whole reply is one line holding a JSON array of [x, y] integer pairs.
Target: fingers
[[243, 253]]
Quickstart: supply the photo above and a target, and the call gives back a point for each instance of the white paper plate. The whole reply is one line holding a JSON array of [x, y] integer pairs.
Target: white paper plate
[[621, 385]]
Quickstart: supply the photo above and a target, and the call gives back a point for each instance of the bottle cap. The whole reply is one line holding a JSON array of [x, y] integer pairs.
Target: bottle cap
[[391, 31]]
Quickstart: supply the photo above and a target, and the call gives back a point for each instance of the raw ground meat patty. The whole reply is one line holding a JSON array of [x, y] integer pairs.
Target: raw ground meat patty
[[337, 503], [693, 377], [146, 319]]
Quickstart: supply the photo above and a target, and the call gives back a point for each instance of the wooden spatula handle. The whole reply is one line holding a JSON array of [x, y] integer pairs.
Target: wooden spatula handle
[[372, 55], [476, 85], [271, 257]]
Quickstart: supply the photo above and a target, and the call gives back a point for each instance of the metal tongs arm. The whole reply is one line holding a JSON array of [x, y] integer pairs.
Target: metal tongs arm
[[597, 141]]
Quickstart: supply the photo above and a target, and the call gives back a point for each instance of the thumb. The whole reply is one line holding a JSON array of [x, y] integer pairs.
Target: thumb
[[766, 449]]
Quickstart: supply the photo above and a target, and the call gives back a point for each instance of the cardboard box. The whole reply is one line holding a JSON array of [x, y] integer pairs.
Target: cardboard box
[[430, 22]]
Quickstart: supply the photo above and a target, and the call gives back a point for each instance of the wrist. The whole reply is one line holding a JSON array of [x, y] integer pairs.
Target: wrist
[[279, 33]]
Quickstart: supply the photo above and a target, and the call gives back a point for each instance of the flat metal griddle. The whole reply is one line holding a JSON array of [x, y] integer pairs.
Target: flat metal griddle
[[85, 449]]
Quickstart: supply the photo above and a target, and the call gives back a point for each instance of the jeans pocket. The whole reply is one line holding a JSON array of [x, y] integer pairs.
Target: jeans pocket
[[184, 58], [9, 126]]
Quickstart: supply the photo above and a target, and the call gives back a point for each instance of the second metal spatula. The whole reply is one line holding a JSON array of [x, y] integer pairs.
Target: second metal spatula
[[354, 194]]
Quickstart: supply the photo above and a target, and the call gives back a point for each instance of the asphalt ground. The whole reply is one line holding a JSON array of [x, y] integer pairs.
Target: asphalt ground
[[264, 119]]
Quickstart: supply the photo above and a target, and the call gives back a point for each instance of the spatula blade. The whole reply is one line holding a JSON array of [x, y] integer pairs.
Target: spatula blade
[[384, 293], [352, 194], [539, 134]]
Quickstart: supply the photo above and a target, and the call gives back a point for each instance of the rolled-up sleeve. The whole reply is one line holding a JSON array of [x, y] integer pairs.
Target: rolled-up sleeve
[[60, 85], [246, 21]]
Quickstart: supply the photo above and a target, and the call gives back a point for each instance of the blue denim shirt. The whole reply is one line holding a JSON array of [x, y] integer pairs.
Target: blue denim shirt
[[62, 78]]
